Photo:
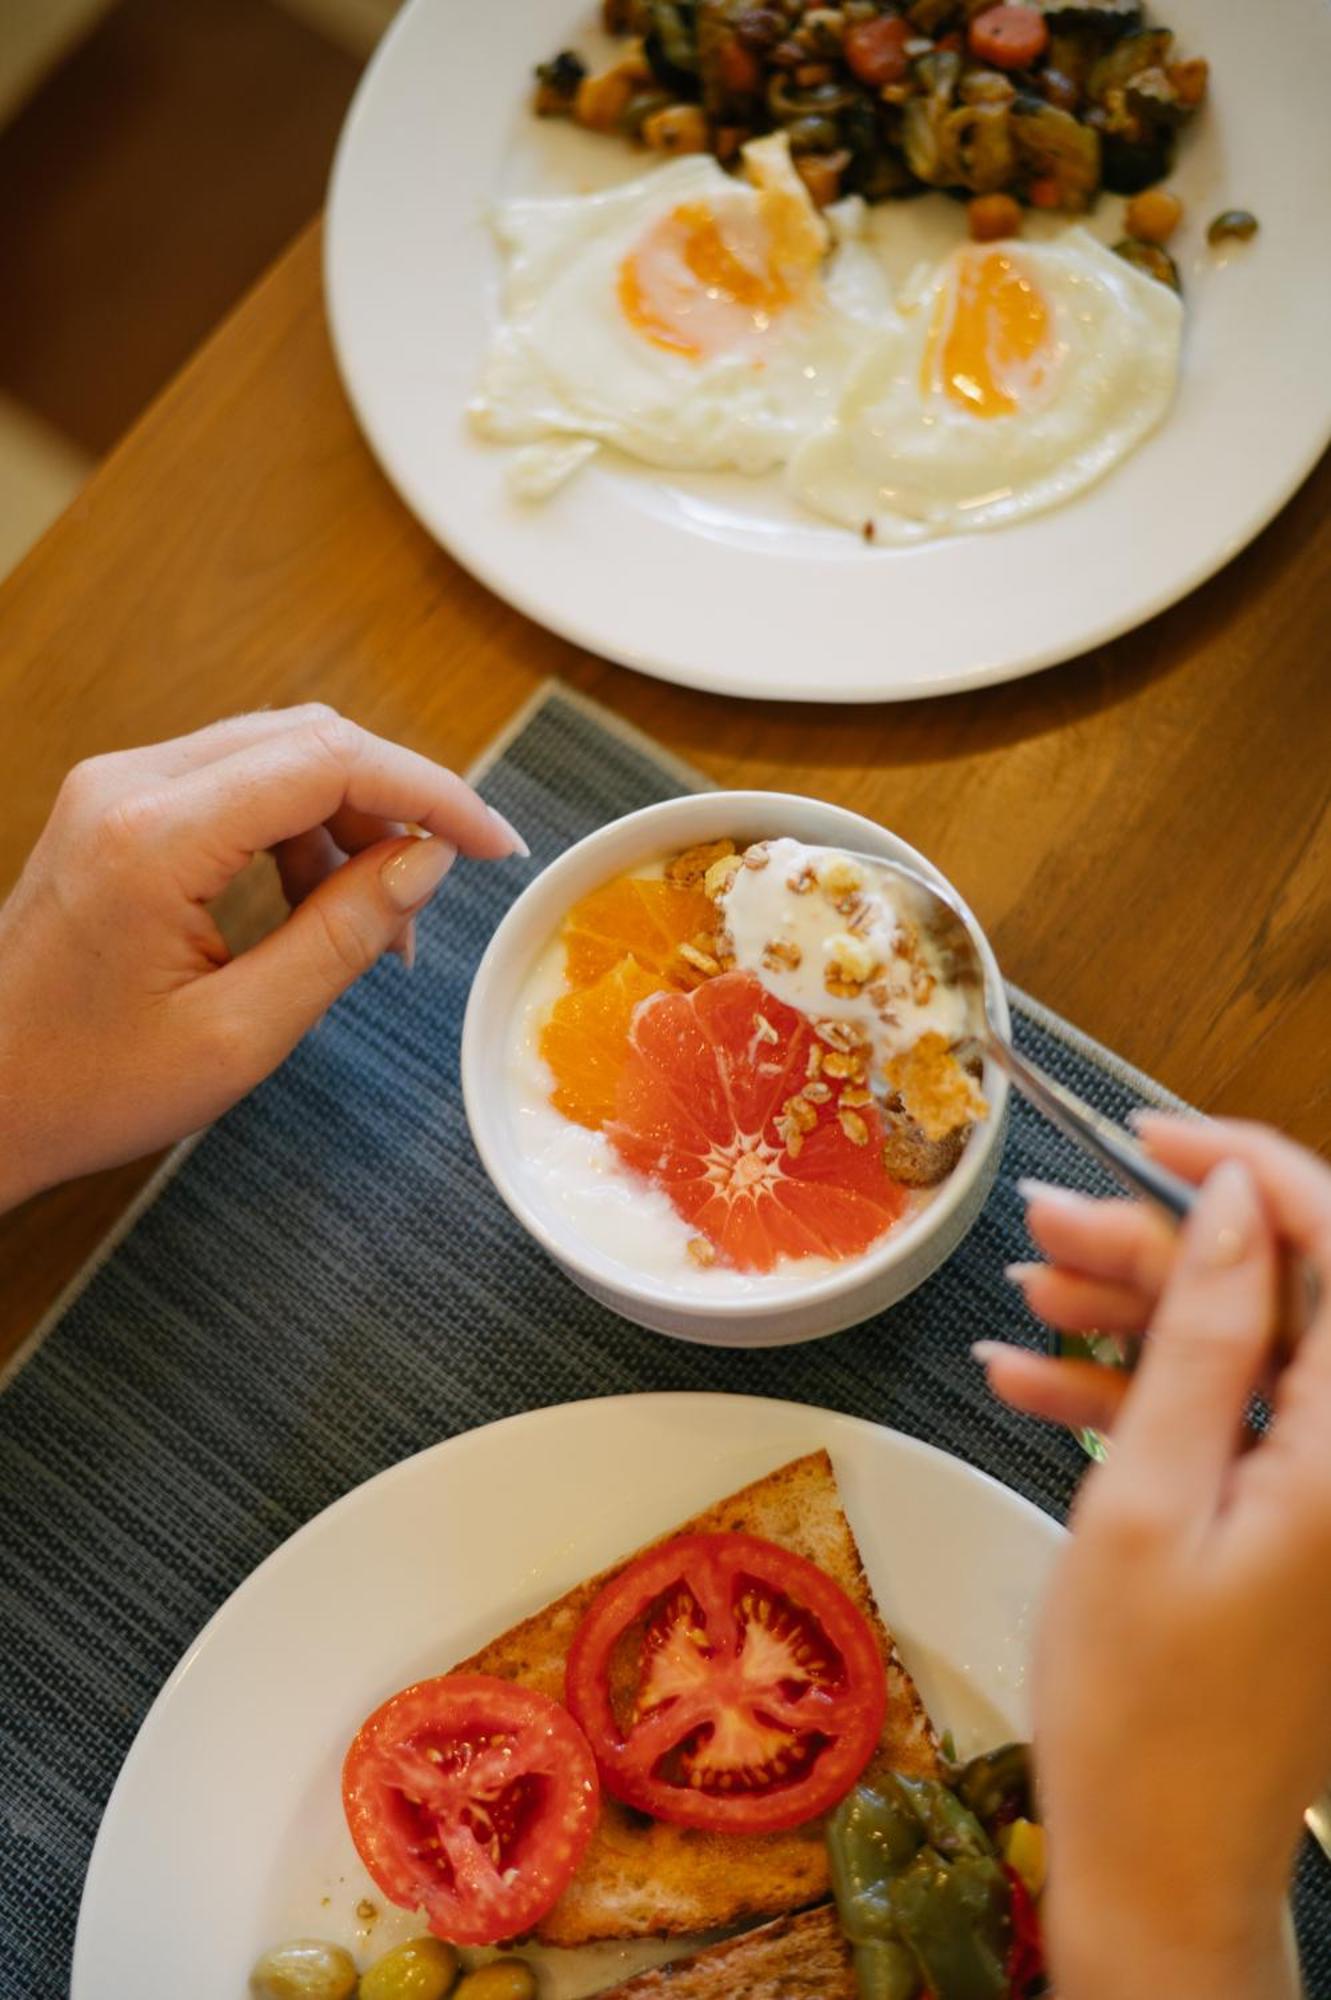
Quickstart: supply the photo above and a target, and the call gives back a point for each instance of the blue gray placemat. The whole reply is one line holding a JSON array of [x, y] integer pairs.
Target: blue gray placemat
[[327, 1284]]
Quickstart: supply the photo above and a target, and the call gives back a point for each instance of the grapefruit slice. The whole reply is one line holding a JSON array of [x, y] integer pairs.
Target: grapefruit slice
[[585, 1041], [647, 920], [701, 1113]]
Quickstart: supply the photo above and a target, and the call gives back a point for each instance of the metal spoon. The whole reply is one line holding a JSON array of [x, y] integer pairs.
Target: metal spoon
[[944, 918], [946, 921]]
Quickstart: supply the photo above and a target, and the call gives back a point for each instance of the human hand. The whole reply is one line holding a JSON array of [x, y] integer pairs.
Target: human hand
[[1184, 1656], [1109, 1260], [124, 1022]]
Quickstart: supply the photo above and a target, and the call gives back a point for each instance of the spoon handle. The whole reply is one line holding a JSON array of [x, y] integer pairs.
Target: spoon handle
[[1094, 1133], [1300, 1291]]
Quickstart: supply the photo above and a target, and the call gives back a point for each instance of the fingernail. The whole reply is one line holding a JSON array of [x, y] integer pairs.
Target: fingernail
[[415, 872], [520, 847], [1019, 1273], [985, 1351], [1224, 1222], [1030, 1190], [404, 946]]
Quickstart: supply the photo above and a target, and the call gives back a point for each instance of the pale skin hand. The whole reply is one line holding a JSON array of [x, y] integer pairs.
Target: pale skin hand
[[1182, 1719], [124, 1023]]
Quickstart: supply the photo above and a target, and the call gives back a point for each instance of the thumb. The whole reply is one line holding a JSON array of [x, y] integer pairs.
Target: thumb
[[274, 993]]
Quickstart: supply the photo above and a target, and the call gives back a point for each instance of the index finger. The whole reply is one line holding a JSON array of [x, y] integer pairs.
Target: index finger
[[1295, 1184], [273, 790], [1210, 1334]]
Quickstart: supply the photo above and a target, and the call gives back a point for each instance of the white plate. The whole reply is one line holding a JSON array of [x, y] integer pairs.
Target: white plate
[[224, 1833], [716, 580]]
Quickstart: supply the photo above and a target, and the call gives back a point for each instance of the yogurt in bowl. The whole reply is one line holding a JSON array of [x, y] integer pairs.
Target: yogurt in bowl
[[674, 1063]]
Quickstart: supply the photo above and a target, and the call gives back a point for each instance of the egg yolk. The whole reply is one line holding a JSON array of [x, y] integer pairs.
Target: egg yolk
[[991, 339], [696, 286]]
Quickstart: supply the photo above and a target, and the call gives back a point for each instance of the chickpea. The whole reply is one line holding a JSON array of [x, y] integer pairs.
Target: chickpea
[[305, 1969], [991, 216], [1154, 215], [501, 1979], [422, 1969]]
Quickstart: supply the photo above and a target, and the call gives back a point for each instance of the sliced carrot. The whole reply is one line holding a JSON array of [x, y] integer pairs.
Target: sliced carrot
[[876, 50], [1009, 37]]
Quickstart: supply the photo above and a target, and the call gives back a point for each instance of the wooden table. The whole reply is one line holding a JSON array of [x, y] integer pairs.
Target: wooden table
[[1144, 831]]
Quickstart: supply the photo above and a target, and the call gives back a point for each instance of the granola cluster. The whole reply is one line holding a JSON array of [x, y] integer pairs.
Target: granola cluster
[[712, 867], [931, 1099]]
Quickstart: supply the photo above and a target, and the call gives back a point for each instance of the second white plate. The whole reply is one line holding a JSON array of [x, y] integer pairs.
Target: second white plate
[[224, 1834], [717, 581]]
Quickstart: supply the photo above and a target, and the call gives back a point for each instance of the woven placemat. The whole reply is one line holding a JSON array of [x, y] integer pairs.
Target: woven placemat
[[292, 1313]]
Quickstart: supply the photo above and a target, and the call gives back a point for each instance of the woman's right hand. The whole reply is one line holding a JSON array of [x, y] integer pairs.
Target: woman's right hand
[[1182, 1717]]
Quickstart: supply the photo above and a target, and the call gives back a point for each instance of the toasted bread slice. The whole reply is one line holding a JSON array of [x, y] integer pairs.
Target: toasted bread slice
[[796, 1958], [641, 1878]]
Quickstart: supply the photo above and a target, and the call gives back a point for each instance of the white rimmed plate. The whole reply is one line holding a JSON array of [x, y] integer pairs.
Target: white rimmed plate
[[224, 1833], [717, 581]]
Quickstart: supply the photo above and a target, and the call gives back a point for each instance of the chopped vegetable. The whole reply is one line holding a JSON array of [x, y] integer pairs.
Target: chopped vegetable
[[1022, 1846], [680, 128], [1053, 146], [1152, 258], [922, 1898], [821, 174], [1025, 1958], [602, 100], [876, 50], [1146, 49], [1009, 37], [1101, 17], [1045, 103], [1234, 222]]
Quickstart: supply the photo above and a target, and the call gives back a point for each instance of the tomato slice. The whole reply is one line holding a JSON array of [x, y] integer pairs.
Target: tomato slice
[[472, 1799], [725, 1683]]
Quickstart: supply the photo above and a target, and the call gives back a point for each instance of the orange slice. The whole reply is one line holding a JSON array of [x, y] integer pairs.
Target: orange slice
[[649, 920], [701, 1113], [586, 1041]]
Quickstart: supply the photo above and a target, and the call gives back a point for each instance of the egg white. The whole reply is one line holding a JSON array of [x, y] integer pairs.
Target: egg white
[[909, 460], [568, 372]]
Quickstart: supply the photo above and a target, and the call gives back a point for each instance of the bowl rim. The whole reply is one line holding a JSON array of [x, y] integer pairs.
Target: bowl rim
[[484, 1108]]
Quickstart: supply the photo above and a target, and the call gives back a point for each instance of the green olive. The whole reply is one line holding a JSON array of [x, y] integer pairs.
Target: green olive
[[1233, 222], [305, 1969], [422, 1969], [501, 1979]]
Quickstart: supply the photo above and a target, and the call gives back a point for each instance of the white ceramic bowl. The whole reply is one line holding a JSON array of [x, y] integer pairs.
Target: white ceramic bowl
[[792, 1310]]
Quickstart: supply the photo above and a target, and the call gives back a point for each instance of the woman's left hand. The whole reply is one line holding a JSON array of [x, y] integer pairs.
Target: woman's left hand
[[124, 1021]]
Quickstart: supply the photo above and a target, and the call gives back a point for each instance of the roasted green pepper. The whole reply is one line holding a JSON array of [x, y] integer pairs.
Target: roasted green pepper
[[920, 1892], [954, 1917]]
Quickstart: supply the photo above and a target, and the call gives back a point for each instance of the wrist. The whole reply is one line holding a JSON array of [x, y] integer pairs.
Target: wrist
[[1102, 1949], [20, 1176]]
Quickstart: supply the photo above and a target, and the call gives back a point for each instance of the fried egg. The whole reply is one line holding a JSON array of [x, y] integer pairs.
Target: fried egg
[[1017, 375], [692, 319]]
